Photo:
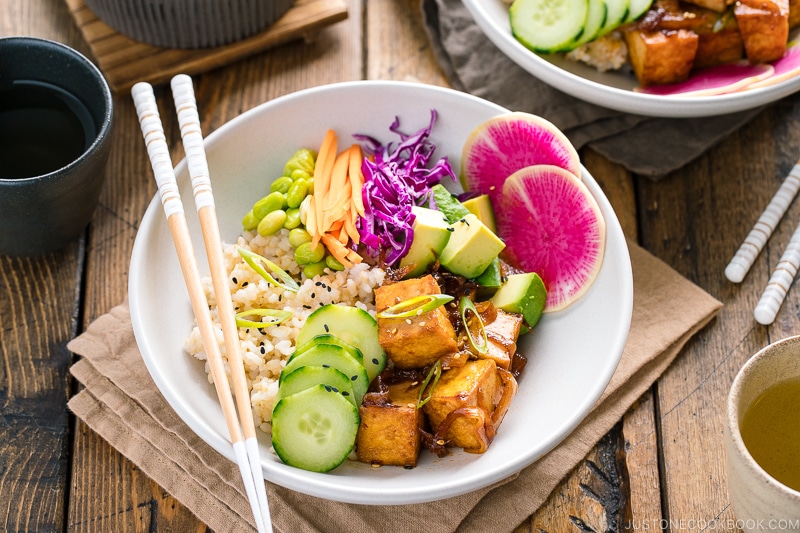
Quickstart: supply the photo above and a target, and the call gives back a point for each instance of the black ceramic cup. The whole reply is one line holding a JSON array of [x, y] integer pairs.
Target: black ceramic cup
[[56, 115]]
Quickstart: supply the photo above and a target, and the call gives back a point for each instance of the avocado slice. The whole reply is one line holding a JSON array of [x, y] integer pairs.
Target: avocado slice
[[524, 294], [471, 249], [431, 235], [481, 207]]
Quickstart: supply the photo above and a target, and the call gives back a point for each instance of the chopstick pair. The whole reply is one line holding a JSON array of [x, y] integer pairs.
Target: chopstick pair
[[782, 277], [241, 427]]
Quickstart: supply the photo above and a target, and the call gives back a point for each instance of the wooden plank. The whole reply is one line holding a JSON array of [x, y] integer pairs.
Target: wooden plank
[[38, 316], [125, 61], [109, 493], [695, 221]]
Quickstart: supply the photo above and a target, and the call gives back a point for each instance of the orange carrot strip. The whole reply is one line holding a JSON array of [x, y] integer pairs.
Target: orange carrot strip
[[337, 250], [356, 178], [322, 177]]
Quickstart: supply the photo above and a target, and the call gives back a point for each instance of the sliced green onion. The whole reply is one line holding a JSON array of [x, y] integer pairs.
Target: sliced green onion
[[433, 374], [276, 317], [415, 306], [286, 281], [467, 305]]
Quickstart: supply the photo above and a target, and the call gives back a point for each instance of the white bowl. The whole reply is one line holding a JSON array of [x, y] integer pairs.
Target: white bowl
[[612, 89], [571, 355]]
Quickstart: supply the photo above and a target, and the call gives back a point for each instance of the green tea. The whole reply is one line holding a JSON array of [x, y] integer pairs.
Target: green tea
[[771, 431]]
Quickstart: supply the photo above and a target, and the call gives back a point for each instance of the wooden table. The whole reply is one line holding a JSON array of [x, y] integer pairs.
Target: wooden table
[[662, 465]]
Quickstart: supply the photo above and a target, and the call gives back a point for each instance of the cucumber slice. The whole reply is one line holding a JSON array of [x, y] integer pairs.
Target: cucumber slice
[[305, 377], [330, 339], [333, 356], [617, 14], [314, 429], [595, 20], [352, 325], [548, 26], [637, 9]]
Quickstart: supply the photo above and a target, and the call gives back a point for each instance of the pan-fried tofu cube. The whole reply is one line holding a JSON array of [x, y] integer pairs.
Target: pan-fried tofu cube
[[661, 57], [764, 25], [719, 40], [389, 432], [794, 13], [475, 389], [418, 341], [502, 334]]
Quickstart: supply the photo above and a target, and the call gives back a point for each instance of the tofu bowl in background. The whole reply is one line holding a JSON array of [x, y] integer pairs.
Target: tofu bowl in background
[[615, 89], [571, 354]]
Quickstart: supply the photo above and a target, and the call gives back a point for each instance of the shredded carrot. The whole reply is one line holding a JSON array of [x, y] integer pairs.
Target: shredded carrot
[[336, 203]]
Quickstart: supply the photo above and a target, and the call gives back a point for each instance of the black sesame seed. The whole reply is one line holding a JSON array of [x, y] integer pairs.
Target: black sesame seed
[[326, 365], [354, 378], [375, 360], [327, 388], [318, 283], [345, 393], [280, 297], [450, 228], [313, 295], [261, 330], [245, 283], [329, 289], [306, 306], [263, 350], [327, 329], [334, 389], [235, 280]]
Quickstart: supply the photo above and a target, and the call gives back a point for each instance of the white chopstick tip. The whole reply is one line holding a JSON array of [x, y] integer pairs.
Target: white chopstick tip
[[764, 314], [735, 272]]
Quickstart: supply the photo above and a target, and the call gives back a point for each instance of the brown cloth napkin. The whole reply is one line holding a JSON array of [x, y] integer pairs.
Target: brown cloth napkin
[[121, 403], [652, 147]]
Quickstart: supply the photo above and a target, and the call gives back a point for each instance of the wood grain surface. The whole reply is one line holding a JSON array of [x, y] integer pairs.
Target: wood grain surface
[[661, 468]]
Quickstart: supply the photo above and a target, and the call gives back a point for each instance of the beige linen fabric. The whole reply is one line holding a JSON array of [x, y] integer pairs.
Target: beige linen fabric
[[121, 403]]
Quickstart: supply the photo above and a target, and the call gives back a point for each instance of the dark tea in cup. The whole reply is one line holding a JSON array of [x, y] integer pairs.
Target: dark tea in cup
[[42, 128]]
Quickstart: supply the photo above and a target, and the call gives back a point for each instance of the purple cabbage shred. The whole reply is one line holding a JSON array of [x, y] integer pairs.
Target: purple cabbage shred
[[395, 179]]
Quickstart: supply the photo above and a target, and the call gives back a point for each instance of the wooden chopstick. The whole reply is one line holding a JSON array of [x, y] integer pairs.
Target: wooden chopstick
[[158, 152], [191, 134], [746, 255]]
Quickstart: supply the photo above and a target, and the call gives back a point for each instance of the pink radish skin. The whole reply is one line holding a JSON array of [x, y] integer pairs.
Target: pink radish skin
[[506, 143], [711, 81], [786, 67], [552, 225]]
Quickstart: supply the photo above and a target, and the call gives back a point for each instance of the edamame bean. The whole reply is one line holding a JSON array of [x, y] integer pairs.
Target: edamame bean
[[269, 203], [333, 263], [249, 222], [305, 254], [303, 159], [292, 218], [300, 174], [281, 185], [297, 193], [298, 236], [272, 222], [314, 269]]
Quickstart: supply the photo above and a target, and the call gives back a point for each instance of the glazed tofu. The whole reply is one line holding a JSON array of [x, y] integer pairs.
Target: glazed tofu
[[661, 57], [502, 334], [719, 40], [417, 341], [475, 385], [764, 25], [389, 433]]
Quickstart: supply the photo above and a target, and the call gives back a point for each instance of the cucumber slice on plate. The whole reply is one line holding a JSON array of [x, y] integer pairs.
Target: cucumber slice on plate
[[352, 325], [637, 9], [314, 429], [616, 16], [548, 26], [595, 21], [333, 356], [305, 377]]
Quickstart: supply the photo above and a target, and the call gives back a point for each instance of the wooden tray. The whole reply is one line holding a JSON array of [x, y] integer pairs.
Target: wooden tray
[[125, 61]]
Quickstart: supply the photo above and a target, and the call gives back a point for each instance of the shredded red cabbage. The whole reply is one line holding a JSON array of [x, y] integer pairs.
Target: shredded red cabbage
[[395, 179]]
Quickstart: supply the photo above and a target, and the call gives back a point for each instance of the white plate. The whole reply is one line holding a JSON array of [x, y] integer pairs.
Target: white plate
[[571, 355], [613, 90]]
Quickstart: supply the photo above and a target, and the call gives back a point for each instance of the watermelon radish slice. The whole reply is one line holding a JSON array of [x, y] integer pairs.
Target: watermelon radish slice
[[553, 226], [711, 81], [786, 67], [506, 143]]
